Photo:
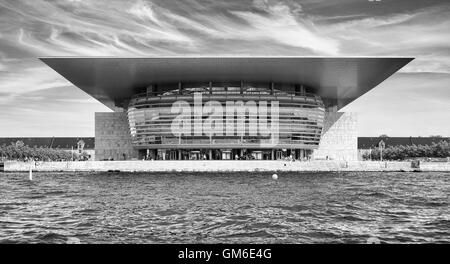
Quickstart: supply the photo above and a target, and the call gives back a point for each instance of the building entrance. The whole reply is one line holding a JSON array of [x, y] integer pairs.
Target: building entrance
[[173, 155]]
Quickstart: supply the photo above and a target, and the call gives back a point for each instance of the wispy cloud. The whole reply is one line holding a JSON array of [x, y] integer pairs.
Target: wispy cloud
[[58, 29], [283, 24], [413, 104], [24, 78], [422, 34]]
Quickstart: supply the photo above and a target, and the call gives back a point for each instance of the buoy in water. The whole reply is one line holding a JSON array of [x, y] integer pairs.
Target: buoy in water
[[373, 240], [73, 240], [275, 176]]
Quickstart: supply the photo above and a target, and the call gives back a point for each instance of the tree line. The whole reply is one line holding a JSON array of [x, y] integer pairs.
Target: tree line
[[21, 152], [435, 150]]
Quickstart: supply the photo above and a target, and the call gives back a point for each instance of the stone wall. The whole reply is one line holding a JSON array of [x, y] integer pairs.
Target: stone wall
[[112, 137], [339, 139], [224, 166]]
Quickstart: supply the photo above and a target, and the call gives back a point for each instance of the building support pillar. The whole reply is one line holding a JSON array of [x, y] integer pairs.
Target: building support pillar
[[302, 89], [149, 91]]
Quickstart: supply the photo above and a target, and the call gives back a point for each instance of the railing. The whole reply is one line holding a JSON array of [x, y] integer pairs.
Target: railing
[[308, 145], [188, 94], [143, 141]]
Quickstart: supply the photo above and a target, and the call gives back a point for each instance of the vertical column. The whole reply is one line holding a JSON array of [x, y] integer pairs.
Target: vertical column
[[149, 91], [210, 154], [180, 88], [112, 136], [339, 139], [302, 89]]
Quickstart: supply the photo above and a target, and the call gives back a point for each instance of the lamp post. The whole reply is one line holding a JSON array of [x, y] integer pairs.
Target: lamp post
[[381, 145]]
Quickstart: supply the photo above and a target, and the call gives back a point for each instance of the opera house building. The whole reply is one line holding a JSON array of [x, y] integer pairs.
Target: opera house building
[[265, 108]]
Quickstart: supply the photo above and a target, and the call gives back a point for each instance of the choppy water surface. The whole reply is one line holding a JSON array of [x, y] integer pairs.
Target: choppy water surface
[[224, 208]]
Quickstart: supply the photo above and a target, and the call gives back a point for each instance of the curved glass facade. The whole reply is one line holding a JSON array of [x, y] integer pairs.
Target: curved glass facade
[[299, 116]]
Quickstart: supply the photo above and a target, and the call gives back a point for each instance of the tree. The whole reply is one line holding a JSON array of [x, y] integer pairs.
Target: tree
[[20, 151], [435, 150]]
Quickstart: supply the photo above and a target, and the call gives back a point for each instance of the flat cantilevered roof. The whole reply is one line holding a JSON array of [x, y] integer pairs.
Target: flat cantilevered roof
[[112, 80]]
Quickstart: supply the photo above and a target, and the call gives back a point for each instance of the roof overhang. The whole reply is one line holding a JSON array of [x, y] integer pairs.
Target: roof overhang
[[112, 80]]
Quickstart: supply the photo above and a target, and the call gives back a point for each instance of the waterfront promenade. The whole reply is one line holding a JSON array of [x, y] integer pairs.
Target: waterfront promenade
[[223, 166]]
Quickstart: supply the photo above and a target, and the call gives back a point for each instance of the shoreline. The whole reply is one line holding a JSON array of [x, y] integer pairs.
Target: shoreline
[[225, 166]]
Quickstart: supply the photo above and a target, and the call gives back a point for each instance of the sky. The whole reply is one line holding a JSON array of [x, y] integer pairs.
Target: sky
[[36, 101]]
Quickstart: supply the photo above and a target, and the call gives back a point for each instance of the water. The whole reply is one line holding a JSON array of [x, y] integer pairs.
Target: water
[[224, 208]]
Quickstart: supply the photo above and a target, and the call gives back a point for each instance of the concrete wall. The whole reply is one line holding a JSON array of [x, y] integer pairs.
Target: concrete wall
[[224, 166], [435, 166], [112, 136], [339, 139]]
